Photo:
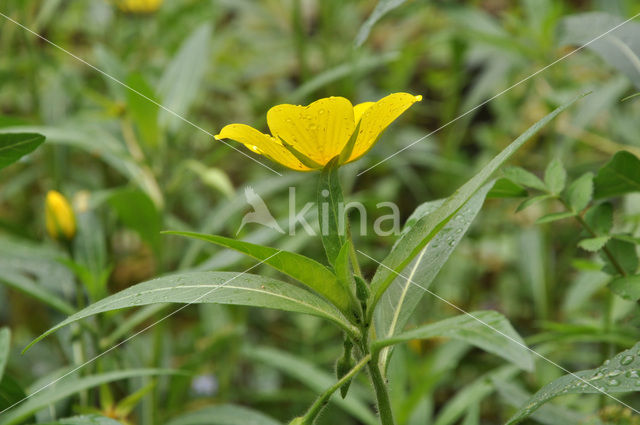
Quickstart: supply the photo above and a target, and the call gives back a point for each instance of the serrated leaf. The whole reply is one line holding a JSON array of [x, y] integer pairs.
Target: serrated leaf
[[580, 192], [619, 374], [66, 388], [488, 330], [628, 287], [332, 225], [505, 188], [625, 257], [223, 414], [407, 290], [593, 244], [524, 178], [5, 344], [14, 146], [423, 231], [548, 218], [532, 201], [617, 177], [213, 287], [600, 218], [305, 270], [555, 176]]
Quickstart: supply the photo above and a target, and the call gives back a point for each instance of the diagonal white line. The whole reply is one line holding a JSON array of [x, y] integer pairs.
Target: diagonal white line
[[500, 94], [501, 333], [136, 334], [95, 68]]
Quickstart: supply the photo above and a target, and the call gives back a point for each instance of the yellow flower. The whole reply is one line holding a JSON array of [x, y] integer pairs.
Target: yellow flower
[[305, 138], [59, 217], [138, 6]]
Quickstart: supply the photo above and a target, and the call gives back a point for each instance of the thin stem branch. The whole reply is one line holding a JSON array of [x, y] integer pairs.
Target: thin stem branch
[[322, 401]]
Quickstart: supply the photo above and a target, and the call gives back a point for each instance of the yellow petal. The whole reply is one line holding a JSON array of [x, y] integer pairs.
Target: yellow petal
[[359, 109], [318, 131], [377, 117], [262, 144]]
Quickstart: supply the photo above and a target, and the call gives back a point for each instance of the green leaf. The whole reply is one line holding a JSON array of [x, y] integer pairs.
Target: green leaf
[[138, 212], [27, 286], [531, 201], [488, 330], [223, 414], [617, 375], [382, 8], [628, 287], [5, 344], [625, 255], [144, 113], [524, 178], [316, 379], [305, 270], [505, 188], [331, 211], [85, 420], [410, 245], [407, 290], [617, 177], [594, 244], [619, 48], [182, 79], [548, 218], [472, 394], [555, 176], [10, 392], [66, 388], [580, 192], [14, 146], [217, 288], [600, 218], [343, 266]]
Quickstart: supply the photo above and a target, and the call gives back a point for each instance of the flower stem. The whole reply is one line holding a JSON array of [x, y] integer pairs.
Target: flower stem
[[322, 401]]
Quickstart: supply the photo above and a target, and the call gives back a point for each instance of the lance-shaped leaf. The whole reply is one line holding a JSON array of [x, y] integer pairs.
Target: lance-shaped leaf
[[14, 146], [332, 224], [423, 231], [408, 288], [223, 414], [305, 270], [85, 420], [488, 330], [65, 388], [217, 288], [617, 375]]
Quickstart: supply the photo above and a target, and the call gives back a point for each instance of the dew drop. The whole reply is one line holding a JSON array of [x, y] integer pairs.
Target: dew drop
[[626, 360], [613, 382]]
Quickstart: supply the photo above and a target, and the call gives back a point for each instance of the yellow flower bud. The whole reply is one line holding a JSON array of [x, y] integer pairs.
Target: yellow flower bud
[[138, 6], [59, 217]]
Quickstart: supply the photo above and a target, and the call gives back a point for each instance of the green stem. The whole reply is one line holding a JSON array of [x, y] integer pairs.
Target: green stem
[[382, 395], [322, 401], [352, 253]]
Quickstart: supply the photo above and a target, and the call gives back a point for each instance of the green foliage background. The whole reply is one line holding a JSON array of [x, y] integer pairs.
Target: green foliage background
[[133, 169]]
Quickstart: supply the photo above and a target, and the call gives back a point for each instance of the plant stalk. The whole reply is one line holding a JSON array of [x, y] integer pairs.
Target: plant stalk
[[382, 395], [322, 401]]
